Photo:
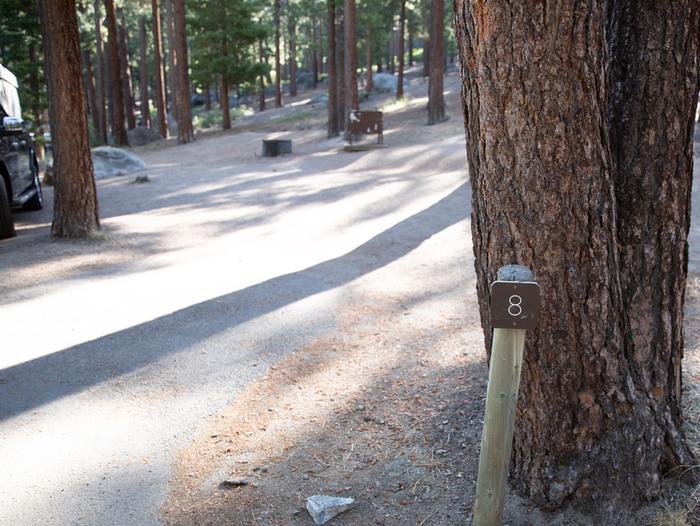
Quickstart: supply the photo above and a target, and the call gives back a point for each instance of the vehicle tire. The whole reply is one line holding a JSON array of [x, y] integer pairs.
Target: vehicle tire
[[37, 200], [7, 225]]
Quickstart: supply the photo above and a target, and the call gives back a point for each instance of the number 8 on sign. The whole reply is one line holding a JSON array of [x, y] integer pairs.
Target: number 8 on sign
[[514, 305]]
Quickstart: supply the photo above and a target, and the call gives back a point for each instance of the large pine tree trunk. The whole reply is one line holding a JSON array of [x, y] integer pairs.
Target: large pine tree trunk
[[159, 95], [588, 430], [185, 131], [172, 58], [278, 60], [75, 196], [333, 128], [352, 97], [653, 88], [340, 66], [101, 129], [125, 68], [117, 99], [402, 31], [143, 73], [436, 98]]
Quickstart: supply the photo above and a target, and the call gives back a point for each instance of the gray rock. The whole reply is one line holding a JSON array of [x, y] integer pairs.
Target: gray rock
[[323, 508], [141, 136], [384, 82], [109, 162]]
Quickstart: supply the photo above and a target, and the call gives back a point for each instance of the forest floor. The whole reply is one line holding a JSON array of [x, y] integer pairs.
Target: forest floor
[[305, 323]]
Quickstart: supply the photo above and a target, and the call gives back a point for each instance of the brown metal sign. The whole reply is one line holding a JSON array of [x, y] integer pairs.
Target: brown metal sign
[[367, 123], [514, 304]]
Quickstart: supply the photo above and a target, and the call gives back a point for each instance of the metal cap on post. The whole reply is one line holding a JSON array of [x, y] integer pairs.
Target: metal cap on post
[[514, 308]]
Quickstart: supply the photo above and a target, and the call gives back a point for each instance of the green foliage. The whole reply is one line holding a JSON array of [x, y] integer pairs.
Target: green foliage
[[224, 34]]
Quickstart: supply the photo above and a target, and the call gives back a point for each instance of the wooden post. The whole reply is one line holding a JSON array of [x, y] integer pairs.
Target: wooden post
[[501, 398]]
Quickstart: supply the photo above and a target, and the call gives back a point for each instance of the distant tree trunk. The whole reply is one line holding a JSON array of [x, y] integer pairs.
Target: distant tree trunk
[[402, 31], [590, 187], [314, 55], [340, 67], [90, 87], [224, 105], [118, 129], [207, 97], [143, 74], [127, 85], [426, 52], [34, 86], [318, 49], [185, 132], [379, 65], [333, 128], [391, 53], [172, 57], [292, 28], [436, 97], [75, 196], [370, 81], [159, 95], [101, 129], [410, 42], [352, 99], [278, 66], [261, 52]]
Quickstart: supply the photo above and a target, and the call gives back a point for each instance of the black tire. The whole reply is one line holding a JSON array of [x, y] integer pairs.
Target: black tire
[[37, 200], [7, 225]]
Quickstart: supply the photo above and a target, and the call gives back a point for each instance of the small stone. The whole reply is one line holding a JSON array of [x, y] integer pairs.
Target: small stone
[[323, 508], [141, 179]]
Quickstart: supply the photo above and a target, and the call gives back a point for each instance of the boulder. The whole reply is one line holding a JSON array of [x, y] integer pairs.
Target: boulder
[[384, 82], [141, 136], [323, 508], [109, 161]]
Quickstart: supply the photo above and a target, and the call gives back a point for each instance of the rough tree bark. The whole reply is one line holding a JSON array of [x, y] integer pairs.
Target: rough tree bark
[[75, 196], [402, 31], [597, 421], [278, 65], [185, 131], [352, 97], [436, 98], [117, 99], [125, 68], [172, 58], [159, 95], [333, 128], [143, 73], [101, 129]]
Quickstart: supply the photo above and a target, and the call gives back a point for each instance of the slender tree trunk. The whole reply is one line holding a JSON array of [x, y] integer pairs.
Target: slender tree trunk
[[127, 84], [370, 82], [402, 31], [159, 94], [599, 410], [318, 49], [340, 67], [391, 53], [143, 74], [278, 66], [410, 43], [314, 54], [118, 129], [352, 99], [34, 86], [261, 52], [101, 129], [224, 106], [185, 132], [90, 88], [207, 97], [292, 28], [333, 128], [379, 65], [172, 58], [75, 196], [436, 97], [426, 52]]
